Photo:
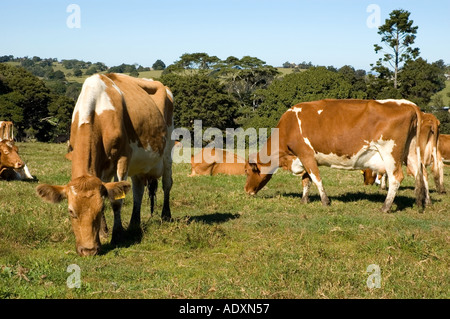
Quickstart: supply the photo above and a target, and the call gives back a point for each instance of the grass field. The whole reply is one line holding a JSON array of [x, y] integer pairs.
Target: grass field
[[224, 244]]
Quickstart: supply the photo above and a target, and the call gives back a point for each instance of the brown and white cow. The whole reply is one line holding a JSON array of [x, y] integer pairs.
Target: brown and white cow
[[121, 127], [9, 158], [344, 134], [428, 142], [444, 148], [212, 161]]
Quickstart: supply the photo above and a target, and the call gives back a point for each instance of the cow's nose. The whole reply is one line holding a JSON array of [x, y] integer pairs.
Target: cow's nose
[[19, 165], [83, 251]]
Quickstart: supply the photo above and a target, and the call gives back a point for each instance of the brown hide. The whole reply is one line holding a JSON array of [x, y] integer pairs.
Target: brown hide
[[209, 162]]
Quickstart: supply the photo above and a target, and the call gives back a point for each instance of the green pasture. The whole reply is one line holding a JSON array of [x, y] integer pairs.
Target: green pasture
[[225, 244]]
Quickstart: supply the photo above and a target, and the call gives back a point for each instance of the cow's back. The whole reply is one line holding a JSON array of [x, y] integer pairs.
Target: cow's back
[[125, 118], [344, 127], [212, 161]]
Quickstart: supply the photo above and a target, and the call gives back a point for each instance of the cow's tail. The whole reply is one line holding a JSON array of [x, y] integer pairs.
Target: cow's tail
[[420, 188], [152, 187]]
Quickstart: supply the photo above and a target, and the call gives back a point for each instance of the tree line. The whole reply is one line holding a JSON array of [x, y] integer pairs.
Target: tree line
[[231, 92]]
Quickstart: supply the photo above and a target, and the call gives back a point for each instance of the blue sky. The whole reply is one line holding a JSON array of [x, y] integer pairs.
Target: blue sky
[[325, 32]]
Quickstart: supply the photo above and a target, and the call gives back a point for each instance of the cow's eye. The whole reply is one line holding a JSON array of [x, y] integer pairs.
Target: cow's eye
[[72, 213]]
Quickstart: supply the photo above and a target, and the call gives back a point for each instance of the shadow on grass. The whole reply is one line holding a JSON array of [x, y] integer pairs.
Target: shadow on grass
[[127, 238], [133, 236], [401, 201], [216, 218]]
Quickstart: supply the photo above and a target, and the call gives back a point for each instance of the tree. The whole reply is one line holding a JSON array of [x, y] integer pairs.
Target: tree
[[200, 97], [314, 84], [60, 111], [31, 96], [194, 61], [420, 80], [159, 65], [242, 77], [77, 72], [398, 35]]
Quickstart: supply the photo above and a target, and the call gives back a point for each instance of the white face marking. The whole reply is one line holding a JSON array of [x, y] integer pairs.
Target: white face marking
[[72, 189], [319, 111], [92, 98]]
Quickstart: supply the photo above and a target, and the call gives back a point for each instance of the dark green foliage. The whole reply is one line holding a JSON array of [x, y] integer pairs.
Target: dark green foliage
[[25, 100], [200, 97], [419, 80], [314, 84], [159, 65], [398, 35]]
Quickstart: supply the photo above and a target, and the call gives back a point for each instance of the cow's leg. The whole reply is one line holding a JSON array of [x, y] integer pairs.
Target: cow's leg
[[167, 186], [121, 175], [118, 231], [103, 228], [383, 181], [138, 184], [310, 164], [306, 183], [413, 166], [395, 178], [438, 171], [318, 182]]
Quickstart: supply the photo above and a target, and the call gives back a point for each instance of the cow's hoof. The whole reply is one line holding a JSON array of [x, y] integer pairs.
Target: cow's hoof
[[118, 236]]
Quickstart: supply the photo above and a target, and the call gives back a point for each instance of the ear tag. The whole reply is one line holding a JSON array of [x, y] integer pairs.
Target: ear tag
[[120, 196]]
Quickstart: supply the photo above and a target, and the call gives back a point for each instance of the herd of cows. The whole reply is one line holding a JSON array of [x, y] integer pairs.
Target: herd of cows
[[122, 127]]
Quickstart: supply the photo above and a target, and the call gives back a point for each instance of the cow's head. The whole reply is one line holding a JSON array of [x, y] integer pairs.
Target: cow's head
[[86, 201], [257, 177], [9, 156], [369, 176]]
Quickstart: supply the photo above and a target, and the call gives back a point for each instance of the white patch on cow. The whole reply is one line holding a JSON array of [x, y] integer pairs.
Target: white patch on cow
[[150, 80], [376, 155], [93, 98], [169, 93], [72, 189], [403, 101], [319, 111], [296, 111], [308, 142], [145, 161], [117, 88], [297, 166], [318, 184]]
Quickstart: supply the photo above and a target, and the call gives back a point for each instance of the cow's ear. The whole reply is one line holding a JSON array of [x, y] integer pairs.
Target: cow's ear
[[117, 190], [51, 193], [254, 167]]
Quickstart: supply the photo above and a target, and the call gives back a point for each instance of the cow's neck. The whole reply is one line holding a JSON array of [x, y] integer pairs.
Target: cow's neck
[[269, 155], [274, 153], [84, 157]]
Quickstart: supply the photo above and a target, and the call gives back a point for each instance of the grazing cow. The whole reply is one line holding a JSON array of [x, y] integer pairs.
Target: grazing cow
[[121, 126], [428, 142], [9, 159], [212, 161], [345, 134]]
